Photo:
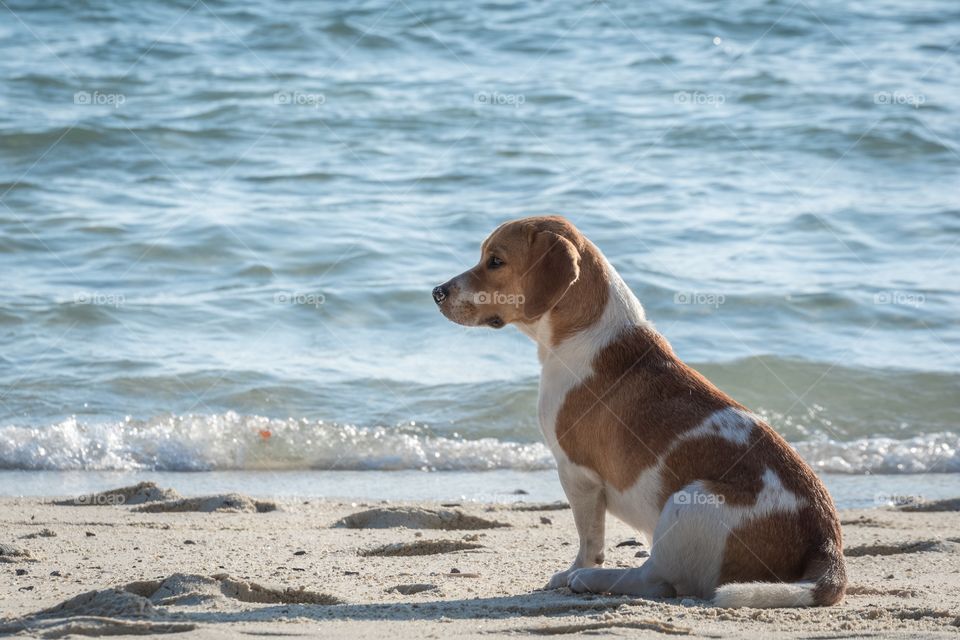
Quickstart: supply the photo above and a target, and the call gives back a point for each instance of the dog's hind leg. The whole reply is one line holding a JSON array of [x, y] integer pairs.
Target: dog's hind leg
[[686, 552]]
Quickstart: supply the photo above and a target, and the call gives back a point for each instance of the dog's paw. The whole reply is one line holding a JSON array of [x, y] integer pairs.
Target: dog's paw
[[559, 579], [578, 581]]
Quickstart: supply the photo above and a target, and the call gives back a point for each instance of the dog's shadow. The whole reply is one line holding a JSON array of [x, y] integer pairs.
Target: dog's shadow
[[534, 604], [171, 619]]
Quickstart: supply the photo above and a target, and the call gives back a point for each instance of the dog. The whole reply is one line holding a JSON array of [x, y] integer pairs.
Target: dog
[[733, 514]]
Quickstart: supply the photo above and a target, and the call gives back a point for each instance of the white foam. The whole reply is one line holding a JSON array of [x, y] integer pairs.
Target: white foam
[[232, 441], [928, 453]]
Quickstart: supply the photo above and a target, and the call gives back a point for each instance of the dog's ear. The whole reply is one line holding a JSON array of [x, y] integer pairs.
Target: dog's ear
[[554, 265]]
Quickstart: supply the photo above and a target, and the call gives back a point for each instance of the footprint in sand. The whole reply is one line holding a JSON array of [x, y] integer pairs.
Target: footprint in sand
[[43, 533], [153, 499], [190, 589], [410, 589], [862, 521], [11, 554], [857, 590], [419, 548], [921, 546], [951, 504], [416, 518], [547, 506], [230, 502], [135, 494], [589, 627]]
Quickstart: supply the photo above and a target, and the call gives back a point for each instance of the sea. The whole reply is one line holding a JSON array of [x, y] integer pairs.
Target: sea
[[221, 220]]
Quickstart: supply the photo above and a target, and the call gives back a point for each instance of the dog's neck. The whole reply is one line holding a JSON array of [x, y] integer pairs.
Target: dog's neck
[[596, 308]]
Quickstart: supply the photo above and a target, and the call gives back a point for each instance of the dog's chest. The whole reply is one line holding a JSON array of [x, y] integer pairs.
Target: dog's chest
[[562, 371], [554, 387]]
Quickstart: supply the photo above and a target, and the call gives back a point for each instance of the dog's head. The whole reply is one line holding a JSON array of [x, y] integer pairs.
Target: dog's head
[[526, 266]]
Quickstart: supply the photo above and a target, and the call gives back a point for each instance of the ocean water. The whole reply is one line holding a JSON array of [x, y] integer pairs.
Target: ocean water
[[220, 223]]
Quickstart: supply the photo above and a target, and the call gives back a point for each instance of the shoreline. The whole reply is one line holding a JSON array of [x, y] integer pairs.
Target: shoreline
[[302, 569], [500, 486]]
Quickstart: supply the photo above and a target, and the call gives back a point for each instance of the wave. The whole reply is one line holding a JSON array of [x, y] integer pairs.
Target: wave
[[231, 441], [929, 453]]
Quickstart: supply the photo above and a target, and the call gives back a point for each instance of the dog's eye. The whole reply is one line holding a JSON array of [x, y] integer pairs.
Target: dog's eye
[[494, 263]]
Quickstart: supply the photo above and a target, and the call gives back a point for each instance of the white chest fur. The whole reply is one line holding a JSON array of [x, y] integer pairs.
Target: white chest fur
[[558, 377]]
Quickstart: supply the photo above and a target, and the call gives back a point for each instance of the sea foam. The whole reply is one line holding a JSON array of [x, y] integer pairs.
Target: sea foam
[[231, 441]]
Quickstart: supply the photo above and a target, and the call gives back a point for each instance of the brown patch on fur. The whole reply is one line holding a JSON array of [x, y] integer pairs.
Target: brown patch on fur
[[625, 416], [773, 548], [709, 459], [803, 545], [736, 471], [787, 547], [554, 265], [583, 303]]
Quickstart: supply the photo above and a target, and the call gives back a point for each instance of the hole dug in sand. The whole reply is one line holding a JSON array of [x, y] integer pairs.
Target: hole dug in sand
[[139, 607], [416, 518], [419, 548]]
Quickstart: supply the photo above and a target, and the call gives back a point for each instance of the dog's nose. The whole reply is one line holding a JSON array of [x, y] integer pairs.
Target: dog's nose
[[439, 294]]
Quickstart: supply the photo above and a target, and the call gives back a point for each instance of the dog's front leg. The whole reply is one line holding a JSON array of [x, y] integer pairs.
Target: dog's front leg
[[585, 492]]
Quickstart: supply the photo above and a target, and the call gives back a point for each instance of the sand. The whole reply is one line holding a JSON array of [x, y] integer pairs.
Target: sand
[[219, 566]]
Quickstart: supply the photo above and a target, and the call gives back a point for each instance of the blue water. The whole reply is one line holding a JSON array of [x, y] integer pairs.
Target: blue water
[[220, 220]]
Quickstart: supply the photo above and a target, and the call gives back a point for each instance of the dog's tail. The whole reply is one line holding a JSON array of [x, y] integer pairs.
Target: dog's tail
[[823, 584]]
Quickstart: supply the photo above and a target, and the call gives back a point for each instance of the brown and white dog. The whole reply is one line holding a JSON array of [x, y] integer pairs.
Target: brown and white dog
[[732, 512]]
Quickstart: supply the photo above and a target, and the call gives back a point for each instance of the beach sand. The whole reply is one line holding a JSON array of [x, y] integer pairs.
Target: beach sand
[[226, 565]]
